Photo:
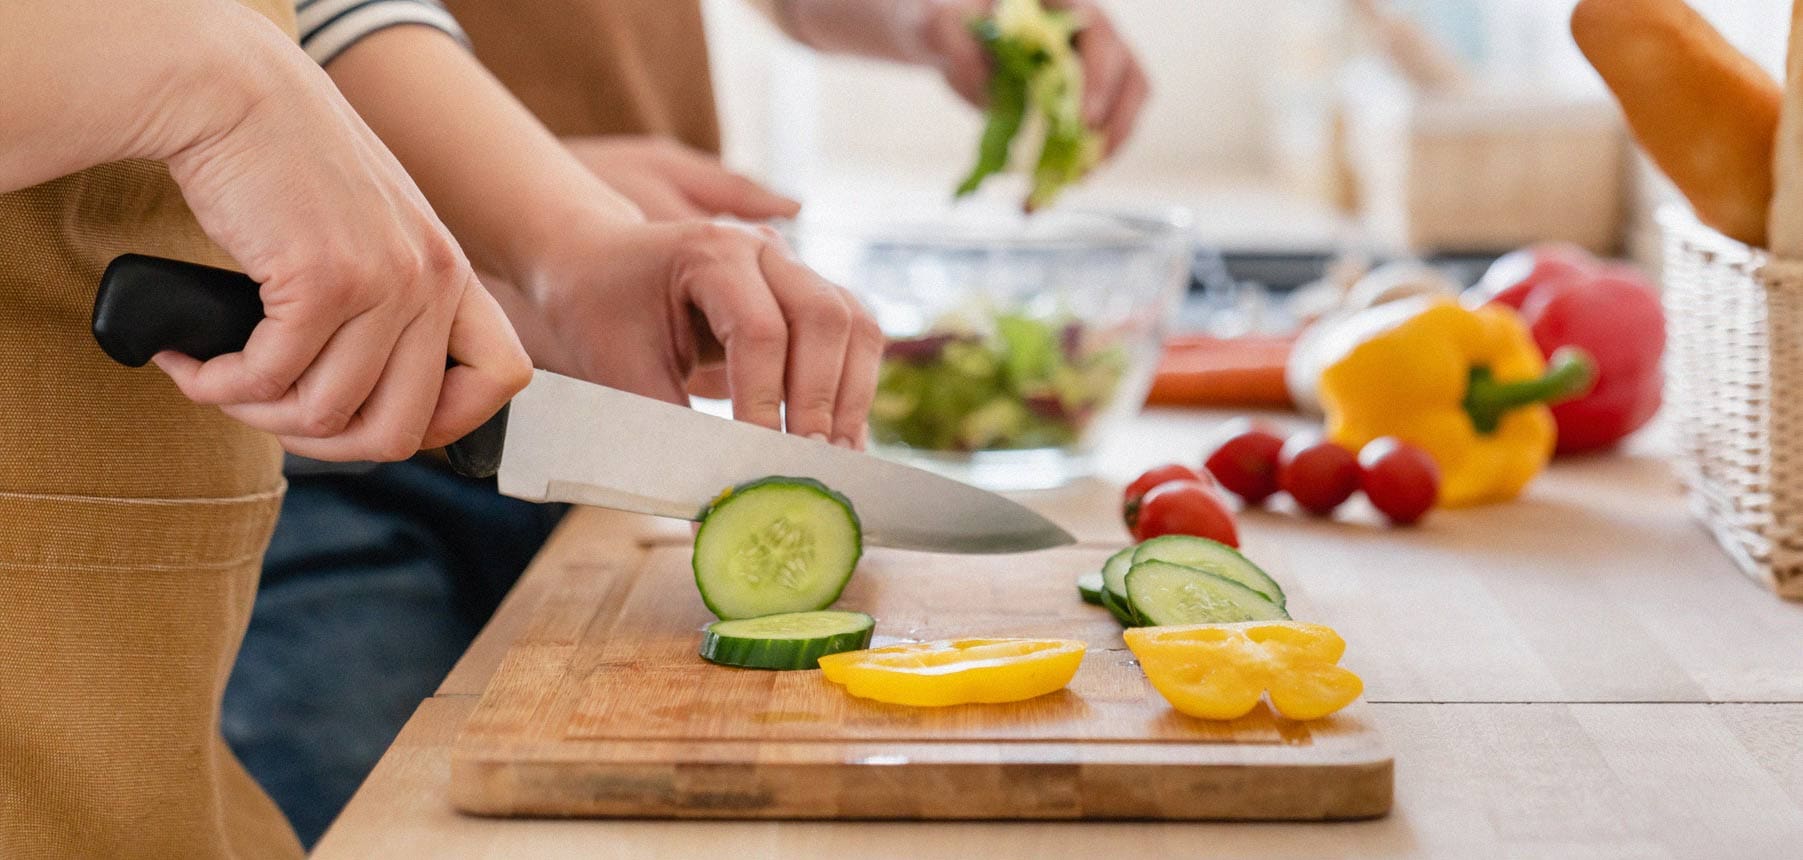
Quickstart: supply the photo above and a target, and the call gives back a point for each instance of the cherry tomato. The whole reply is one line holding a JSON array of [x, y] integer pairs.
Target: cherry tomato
[[1246, 461], [1400, 479], [1185, 508], [1318, 474], [1130, 498]]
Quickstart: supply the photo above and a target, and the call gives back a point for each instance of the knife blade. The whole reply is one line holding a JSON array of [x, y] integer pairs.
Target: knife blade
[[566, 440]]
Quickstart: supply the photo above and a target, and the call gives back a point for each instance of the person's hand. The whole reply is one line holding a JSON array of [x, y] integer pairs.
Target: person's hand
[[669, 181], [641, 307], [1115, 87], [364, 291]]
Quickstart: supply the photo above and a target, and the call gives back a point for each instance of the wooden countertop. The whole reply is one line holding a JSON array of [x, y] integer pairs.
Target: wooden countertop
[[1577, 674]]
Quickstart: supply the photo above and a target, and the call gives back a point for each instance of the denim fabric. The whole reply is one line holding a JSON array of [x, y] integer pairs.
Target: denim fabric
[[373, 586]]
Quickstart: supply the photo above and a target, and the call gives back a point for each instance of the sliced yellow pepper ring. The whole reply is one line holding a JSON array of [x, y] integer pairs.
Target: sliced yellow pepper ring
[[956, 671], [1220, 671]]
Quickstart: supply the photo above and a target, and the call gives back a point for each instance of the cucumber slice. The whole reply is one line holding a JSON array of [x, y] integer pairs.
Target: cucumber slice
[[1118, 609], [1114, 573], [1162, 593], [792, 640], [1212, 556], [776, 545], [1089, 587]]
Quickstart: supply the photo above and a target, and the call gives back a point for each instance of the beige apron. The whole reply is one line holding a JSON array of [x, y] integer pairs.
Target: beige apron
[[132, 526], [600, 66]]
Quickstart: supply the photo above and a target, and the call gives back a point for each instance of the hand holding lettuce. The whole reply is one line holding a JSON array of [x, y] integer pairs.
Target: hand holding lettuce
[[1035, 67]]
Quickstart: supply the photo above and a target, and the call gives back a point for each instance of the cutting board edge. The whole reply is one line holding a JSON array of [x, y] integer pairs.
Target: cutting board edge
[[1144, 790]]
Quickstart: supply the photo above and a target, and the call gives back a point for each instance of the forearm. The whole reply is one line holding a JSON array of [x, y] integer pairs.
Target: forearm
[[503, 184], [84, 82], [883, 29]]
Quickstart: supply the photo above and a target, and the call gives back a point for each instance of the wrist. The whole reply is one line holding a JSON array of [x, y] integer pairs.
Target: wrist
[[213, 86], [538, 255]]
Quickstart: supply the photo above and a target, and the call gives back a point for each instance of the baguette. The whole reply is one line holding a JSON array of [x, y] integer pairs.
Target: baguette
[[1703, 111], [1786, 222]]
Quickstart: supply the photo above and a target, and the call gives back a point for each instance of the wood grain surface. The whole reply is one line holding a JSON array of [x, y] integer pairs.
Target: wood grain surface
[[625, 720]]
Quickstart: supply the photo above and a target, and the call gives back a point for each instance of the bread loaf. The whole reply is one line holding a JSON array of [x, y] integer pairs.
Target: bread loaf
[[1786, 222], [1704, 111]]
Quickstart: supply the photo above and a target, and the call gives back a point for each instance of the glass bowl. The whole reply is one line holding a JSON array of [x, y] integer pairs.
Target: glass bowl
[[1016, 344]]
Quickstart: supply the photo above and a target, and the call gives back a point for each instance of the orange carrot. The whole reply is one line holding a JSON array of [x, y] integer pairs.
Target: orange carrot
[[1208, 371]]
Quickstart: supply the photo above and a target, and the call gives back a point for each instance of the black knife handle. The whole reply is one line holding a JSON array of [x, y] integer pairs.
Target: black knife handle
[[150, 304]]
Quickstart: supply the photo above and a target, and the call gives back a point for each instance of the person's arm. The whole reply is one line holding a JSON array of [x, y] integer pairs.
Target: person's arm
[[937, 33], [614, 299], [364, 291]]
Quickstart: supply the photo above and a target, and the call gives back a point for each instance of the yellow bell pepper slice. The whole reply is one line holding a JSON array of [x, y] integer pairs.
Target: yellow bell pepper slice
[[1220, 671], [956, 671]]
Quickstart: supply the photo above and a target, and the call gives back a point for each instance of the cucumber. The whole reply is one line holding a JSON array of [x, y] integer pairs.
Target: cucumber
[[1114, 573], [1118, 609], [1212, 556], [1162, 593], [1089, 587], [776, 545], [792, 640]]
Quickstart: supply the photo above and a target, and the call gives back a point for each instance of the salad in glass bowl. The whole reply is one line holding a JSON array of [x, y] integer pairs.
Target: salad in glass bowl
[[1015, 342]]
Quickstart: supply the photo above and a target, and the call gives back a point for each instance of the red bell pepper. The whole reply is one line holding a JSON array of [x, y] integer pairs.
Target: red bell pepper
[[1568, 298]]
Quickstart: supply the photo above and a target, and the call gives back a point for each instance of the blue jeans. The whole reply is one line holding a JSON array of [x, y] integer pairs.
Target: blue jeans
[[373, 586]]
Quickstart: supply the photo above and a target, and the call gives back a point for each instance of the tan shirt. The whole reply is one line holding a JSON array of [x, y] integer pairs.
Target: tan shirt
[[600, 66]]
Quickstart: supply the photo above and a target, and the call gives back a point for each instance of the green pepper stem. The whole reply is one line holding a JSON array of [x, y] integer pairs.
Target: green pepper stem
[[1569, 374]]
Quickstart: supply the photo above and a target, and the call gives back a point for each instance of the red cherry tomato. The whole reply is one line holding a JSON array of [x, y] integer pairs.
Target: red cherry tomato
[[1185, 508], [1130, 498], [1246, 461], [1318, 474], [1400, 479]]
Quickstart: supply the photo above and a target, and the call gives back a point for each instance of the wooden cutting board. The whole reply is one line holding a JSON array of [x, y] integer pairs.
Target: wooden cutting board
[[603, 709]]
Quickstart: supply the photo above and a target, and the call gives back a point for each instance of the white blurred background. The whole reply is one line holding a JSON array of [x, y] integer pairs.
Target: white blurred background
[[1239, 127]]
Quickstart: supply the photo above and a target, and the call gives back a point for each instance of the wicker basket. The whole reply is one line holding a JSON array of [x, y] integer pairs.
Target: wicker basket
[[1735, 394]]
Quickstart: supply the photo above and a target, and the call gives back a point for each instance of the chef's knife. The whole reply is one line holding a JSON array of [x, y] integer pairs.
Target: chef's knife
[[564, 440]]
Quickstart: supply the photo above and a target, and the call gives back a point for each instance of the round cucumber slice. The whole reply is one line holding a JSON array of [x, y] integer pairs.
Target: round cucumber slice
[[1162, 593], [1114, 573], [1089, 587], [792, 640], [776, 545], [1215, 557]]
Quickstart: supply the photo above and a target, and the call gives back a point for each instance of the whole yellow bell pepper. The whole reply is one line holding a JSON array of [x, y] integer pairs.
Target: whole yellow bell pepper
[[1221, 671], [956, 671], [1468, 386]]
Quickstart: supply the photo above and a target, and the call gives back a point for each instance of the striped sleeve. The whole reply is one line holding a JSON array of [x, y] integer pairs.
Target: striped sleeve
[[328, 27]]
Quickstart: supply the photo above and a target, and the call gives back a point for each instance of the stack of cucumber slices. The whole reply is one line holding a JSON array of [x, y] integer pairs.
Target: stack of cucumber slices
[[770, 557], [1178, 579]]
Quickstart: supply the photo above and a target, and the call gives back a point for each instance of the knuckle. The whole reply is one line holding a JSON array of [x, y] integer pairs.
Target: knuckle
[[704, 245], [763, 332], [259, 386], [830, 315], [516, 374], [395, 446], [335, 280], [321, 419], [442, 263]]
